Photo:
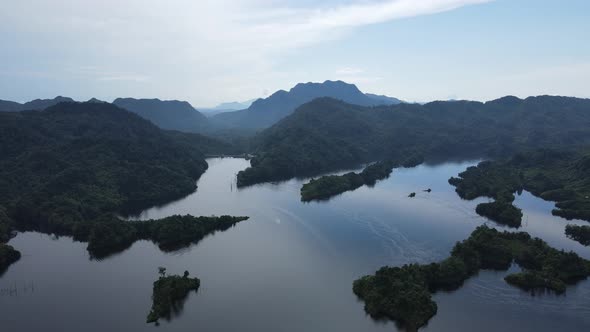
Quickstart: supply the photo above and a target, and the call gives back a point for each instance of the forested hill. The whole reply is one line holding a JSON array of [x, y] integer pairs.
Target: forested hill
[[166, 114], [33, 105], [326, 134], [264, 113], [63, 167]]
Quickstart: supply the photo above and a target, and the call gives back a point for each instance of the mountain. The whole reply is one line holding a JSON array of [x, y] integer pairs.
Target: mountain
[[73, 168], [235, 105], [327, 134], [226, 107], [62, 168], [166, 114], [41, 104], [34, 105], [94, 100], [266, 112], [384, 100], [10, 106]]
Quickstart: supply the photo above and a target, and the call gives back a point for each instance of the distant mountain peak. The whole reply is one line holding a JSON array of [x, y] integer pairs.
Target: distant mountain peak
[[95, 100], [507, 100], [266, 112]]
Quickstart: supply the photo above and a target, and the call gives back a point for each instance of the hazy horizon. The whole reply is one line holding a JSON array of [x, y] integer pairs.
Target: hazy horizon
[[236, 50]]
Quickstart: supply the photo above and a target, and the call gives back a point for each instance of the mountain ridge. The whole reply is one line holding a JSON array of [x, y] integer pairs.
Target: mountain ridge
[[327, 134], [166, 114], [264, 113]]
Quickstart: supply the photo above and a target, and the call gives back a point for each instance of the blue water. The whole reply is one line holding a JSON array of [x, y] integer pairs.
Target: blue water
[[289, 267]]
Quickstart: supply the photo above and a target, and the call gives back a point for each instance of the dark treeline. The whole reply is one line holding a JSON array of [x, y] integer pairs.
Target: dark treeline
[[560, 176], [169, 294], [332, 185], [8, 254], [578, 233], [109, 234], [403, 294], [71, 168], [327, 134]]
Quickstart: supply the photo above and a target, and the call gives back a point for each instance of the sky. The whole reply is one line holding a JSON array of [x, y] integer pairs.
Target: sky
[[208, 52]]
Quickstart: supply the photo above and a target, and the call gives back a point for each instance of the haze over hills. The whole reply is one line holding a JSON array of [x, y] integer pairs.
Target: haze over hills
[[326, 134], [166, 114], [266, 112], [225, 107], [249, 115], [236, 106]]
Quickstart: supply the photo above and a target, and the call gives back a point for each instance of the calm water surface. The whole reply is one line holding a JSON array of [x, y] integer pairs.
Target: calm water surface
[[291, 266]]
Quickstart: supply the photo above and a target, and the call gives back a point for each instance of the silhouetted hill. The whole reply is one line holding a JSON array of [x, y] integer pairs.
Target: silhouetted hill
[[41, 104], [266, 112], [34, 105], [10, 106], [166, 114], [94, 100], [326, 134], [384, 100]]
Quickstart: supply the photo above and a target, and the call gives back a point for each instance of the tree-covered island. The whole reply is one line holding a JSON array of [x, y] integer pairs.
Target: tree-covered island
[[332, 185], [404, 294], [169, 294], [578, 233], [110, 234]]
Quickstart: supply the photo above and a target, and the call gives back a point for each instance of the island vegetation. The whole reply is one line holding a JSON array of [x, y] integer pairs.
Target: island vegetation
[[110, 234], [332, 185], [502, 212], [8, 255], [554, 175], [578, 233], [404, 294], [169, 294], [72, 168], [326, 134]]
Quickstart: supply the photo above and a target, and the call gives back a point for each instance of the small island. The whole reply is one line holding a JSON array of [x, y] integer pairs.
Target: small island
[[501, 212], [578, 233], [404, 294], [332, 185], [169, 294]]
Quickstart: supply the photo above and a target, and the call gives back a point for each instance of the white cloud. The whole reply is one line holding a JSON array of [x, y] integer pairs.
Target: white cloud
[[187, 49]]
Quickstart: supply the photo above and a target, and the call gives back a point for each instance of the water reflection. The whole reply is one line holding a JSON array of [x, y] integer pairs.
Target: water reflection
[[291, 266]]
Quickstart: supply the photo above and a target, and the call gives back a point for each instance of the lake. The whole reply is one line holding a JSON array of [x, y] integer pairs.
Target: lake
[[290, 267]]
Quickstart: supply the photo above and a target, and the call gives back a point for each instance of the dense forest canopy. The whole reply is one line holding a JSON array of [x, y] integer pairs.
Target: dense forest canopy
[[332, 185], [403, 294], [554, 175], [327, 134], [71, 168], [579, 233]]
